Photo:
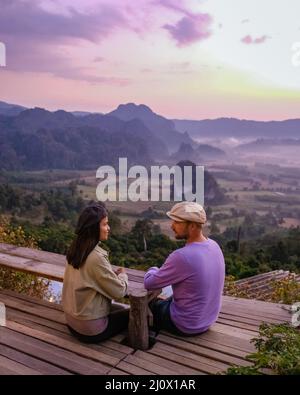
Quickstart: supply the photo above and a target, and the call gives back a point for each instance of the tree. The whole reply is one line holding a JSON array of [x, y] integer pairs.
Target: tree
[[214, 228], [143, 229]]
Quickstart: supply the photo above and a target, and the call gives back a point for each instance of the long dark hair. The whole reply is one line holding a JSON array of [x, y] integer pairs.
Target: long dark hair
[[87, 234]]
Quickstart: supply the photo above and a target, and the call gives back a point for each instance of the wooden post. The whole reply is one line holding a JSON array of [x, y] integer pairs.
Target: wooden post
[[138, 331]]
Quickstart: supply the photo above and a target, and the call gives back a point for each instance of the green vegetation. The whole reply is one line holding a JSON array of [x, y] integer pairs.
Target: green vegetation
[[16, 281], [47, 206], [144, 246], [285, 291], [50, 216], [279, 250], [278, 348], [50, 236], [59, 204]]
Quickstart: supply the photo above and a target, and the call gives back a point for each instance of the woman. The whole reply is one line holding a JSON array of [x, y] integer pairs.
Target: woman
[[90, 284]]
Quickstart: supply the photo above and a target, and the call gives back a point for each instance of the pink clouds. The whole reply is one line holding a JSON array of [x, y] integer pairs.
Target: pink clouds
[[169, 4], [190, 29], [98, 59], [260, 40], [249, 40], [44, 41], [28, 20], [39, 40]]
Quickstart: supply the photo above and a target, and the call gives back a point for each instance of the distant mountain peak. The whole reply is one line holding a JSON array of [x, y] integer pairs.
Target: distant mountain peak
[[33, 113], [10, 109], [198, 154], [62, 114], [35, 110], [185, 148], [132, 107], [59, 112], [161, 127], [238, 128]]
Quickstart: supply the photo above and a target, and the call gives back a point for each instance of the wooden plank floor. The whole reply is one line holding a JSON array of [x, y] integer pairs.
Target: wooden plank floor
[[37, 341]]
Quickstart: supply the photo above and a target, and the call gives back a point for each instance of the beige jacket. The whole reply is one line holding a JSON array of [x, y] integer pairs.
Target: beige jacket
[[88, 291]]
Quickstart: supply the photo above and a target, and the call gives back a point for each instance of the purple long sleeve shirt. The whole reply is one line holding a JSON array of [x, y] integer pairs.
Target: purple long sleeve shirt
[[196, 273]]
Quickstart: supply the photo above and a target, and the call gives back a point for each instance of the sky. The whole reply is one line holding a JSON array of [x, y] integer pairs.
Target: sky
[[185, 59]]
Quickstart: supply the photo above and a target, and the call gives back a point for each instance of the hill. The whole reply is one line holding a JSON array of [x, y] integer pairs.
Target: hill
[[10, 109], [39, 139], [231, 127], [199, 154], [161, 127], [213, 194], [265, 144]]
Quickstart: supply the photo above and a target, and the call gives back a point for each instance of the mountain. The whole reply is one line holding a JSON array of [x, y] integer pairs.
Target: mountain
[[199, 154], [186, 151], [161, 127], [207, 151], [39, 139], [231, 127], [38, 125], [10, 109], [70, 148], [213, 194], [36, 118], [82, 113], [265, 144]]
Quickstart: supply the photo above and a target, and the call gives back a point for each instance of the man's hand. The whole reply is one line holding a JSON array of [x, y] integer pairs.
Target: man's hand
[[153, 294], [120, 270]]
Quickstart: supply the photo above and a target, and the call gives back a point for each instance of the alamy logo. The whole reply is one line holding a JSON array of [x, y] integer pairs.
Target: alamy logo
[[296, 55], [162, 184], [2, 314], [296, 314], [2, 55]]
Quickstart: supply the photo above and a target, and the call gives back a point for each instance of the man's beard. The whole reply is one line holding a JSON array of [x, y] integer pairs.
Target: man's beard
[[183, 236]]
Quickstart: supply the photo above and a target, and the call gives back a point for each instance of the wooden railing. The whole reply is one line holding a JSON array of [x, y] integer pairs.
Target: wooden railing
[[51, 266]]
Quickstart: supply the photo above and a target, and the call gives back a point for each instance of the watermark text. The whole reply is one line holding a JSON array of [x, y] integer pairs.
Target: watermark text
[[296, 314], [2, 314], [296, 54], [161, 183], [2, 54]]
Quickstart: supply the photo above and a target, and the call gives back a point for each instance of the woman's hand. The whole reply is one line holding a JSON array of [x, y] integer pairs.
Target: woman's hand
[[120, 270]]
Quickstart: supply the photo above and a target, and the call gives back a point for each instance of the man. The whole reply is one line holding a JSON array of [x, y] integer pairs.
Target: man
[[196, 273]]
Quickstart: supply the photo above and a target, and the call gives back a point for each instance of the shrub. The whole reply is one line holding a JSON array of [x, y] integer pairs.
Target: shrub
[[285, 291], [278, 348], [17, 281]]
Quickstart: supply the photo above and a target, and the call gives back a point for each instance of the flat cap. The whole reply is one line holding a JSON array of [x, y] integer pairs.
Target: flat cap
[[187, 211]]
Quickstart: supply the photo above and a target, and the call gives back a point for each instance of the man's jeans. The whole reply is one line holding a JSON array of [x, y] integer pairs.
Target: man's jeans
[[162, 317]]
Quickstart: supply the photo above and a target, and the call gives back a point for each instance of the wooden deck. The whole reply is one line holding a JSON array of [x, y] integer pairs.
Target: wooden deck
[[36, 340]]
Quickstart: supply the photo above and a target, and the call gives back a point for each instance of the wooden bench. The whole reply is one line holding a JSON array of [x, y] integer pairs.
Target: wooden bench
[[51, 266]]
